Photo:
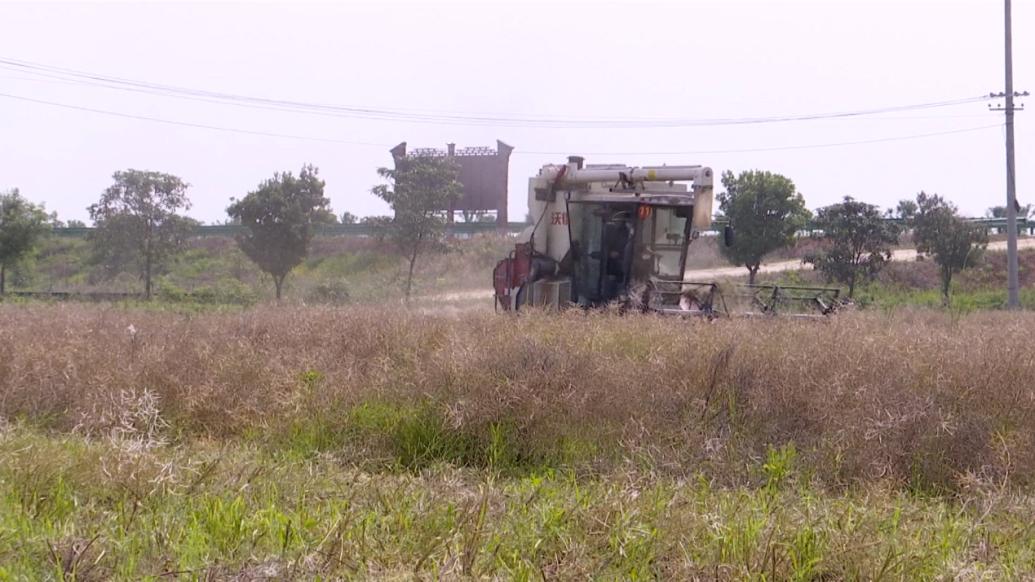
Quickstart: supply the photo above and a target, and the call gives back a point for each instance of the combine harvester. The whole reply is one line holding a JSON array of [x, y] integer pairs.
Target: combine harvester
[[618, 235]]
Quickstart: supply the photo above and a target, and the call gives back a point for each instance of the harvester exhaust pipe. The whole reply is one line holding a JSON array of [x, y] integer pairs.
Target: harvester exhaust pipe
[[581, 175]]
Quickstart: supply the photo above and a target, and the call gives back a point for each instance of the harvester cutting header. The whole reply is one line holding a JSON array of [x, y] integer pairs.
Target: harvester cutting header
[[606, 234]]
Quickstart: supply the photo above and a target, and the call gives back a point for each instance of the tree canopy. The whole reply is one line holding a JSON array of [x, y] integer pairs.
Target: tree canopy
[[22, 224], [905, 210], [279, 217], [952, 242], [859, 242], [1000, 211], [420, 189], [138, 222], [765, 210]]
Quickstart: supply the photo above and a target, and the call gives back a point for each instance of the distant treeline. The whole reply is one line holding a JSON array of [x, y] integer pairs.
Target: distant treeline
[[471, 228], [323, 229]]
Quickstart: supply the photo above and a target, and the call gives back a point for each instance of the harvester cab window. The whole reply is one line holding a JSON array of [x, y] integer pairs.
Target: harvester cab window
[[664, 235], [586, 230], [617, 253], [604, 236]]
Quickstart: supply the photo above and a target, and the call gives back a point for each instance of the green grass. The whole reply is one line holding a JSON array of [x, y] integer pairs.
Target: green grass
[[414, 437], [71, 508], [339, 270], [350, 270], [962, 300], [904, 285]]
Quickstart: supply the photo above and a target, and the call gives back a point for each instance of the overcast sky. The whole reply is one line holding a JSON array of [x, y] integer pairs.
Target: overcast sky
[[696, 59]]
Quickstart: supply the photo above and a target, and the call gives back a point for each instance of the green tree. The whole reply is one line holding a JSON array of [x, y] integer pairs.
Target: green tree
[[952, 242], [1000, 211], [279, 218], [22, 224], [420, 189], [766, 211], [138, 223], [906, 210], [859, 242], [378, 226], [349, 218], [325, 216]]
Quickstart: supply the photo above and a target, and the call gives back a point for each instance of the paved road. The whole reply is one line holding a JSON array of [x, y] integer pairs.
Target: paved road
[[727, 272]]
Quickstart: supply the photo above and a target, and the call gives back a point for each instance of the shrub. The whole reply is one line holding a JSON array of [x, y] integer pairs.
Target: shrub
[[330, 292]]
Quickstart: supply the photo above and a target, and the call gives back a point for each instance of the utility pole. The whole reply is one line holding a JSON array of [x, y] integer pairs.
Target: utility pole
[[1013, 281]]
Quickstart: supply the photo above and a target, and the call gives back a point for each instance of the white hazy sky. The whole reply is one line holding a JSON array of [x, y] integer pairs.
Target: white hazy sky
[[691, 59]]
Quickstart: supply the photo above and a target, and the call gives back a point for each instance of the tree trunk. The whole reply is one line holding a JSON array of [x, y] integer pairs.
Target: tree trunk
[[147, 277], [3, 276], [752, 271], [409, 276], [853, 276], [946, 286], [278, 282]]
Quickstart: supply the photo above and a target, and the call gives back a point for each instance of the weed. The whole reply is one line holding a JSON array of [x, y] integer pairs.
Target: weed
[[778, 465], [318, 518]]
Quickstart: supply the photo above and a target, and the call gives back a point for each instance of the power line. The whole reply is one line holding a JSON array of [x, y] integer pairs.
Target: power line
[[56, 79], [188, 123], [518, 152], [774, 148], [440, 118]]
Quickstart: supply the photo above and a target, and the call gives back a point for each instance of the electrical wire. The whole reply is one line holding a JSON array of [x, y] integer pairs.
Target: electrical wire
[[441, 118], [55, 79], [774, 148], [517, 152], [188, 123]]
